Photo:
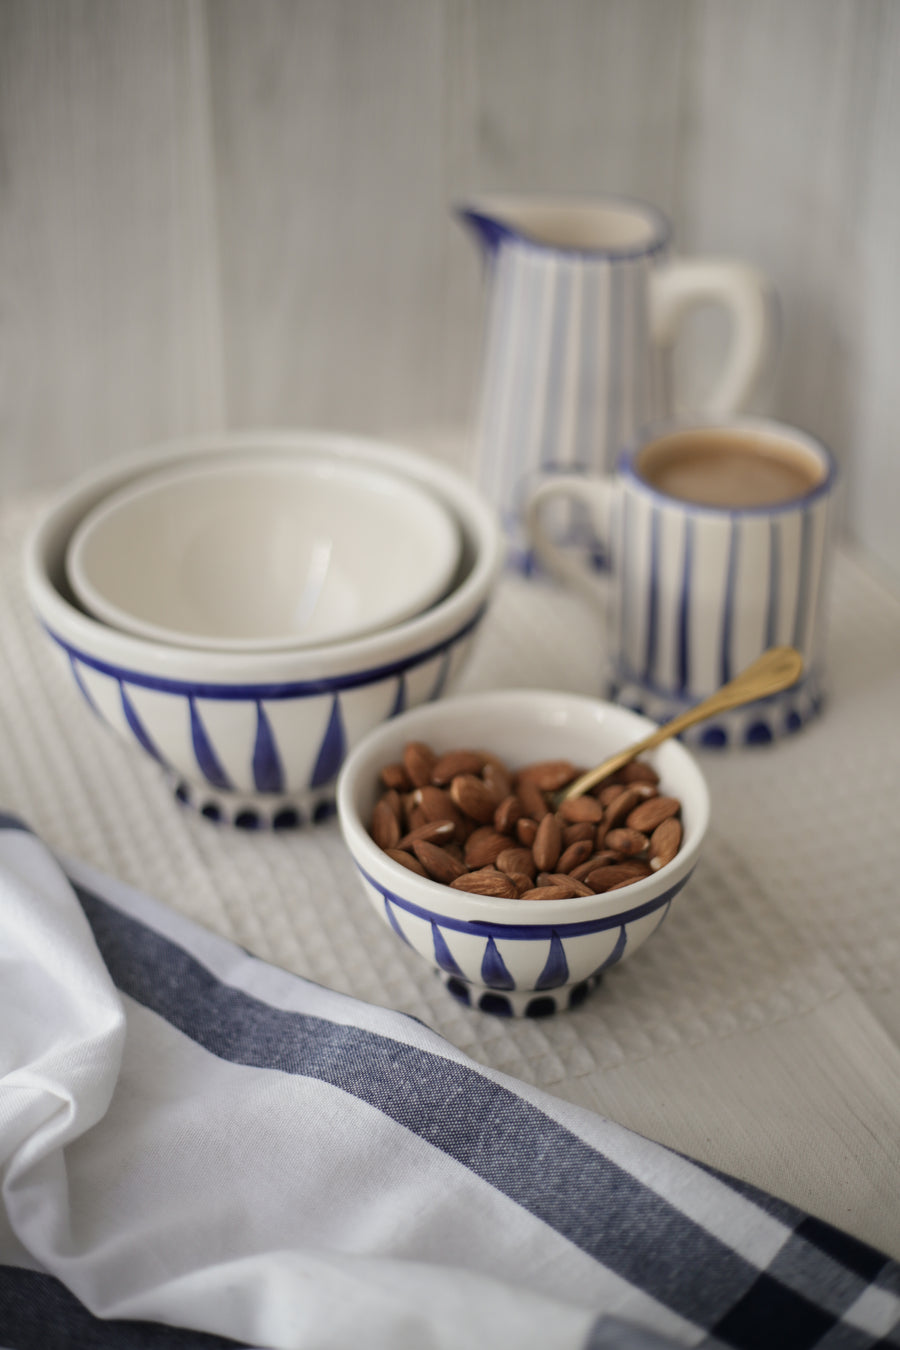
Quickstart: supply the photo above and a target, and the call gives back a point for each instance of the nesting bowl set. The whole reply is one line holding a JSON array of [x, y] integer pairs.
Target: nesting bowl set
[[272, 617], [191, 563]]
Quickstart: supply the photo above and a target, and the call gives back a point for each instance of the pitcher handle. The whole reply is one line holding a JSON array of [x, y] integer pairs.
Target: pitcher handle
[[597, 493], [684, 283]]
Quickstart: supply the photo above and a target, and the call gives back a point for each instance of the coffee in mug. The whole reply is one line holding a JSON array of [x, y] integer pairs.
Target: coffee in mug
[[730, 469], [719, 538]]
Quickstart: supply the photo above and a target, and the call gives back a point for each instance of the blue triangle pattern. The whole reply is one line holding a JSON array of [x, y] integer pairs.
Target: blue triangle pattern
[[205, 755], [85, 692], [556, 970], [443, 672], [443, 954], [392, 920], [493, 971], [617, 951], [268, 775], [137, 726], [400, 700], [332, 750]]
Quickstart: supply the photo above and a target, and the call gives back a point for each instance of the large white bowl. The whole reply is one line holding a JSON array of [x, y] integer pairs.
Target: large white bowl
[[517, 957], [268, 552], [258, 738]]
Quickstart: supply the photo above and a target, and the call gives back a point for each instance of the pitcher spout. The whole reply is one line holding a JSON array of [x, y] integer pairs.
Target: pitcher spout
[[489, 230]]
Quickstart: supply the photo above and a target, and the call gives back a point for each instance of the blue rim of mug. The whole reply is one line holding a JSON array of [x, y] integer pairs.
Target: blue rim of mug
[[658, 223], [627, 468]]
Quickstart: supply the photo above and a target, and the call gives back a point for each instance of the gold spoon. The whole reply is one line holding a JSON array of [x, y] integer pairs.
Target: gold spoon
[[776, 669]]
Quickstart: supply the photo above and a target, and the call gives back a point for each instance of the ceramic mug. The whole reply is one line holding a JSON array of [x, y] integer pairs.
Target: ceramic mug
[[585, 304], [719, 543]]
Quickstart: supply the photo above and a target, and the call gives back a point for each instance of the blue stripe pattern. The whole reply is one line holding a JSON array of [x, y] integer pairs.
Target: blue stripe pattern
[[526, 1154], [725, 660], [803, 582], [527, 932], [275, 691], [774, 591], [652, 598], [684, 609]]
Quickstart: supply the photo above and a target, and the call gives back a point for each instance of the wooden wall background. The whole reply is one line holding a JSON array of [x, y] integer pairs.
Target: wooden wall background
[[238, 212]]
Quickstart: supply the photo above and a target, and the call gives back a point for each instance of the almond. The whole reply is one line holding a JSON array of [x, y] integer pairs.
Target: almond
[[665, 841], [575, 809], [406, 860], [521, 881], [639, 772], [604, 878], [526, 831], [602, 859], [395, 776], [575, 854], [622, 805], [532, 799], [418, 761], [415, 816], [547, 843], [484, 846], [385, 826], [651, 813], [437, 862], [487, 881], [608, 792], [516, 860], [432, 832], [549, 893], [573, 834], [625, 841], [560, 879], [507, 813], [473, 798], [548, 775], [435, 803], [497, 781], [448, 766]]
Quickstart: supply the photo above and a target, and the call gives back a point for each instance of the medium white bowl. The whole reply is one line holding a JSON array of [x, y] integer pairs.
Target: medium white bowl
[[268, 552], [257, 738], [516, 957]]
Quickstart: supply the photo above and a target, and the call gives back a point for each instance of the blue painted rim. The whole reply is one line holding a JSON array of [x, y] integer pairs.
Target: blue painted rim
[[282, 690], [528, 932], [627, 469], [493, 232]]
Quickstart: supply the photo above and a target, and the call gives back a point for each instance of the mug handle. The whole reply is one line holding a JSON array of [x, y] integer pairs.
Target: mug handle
[[684, 283], [597, 493]]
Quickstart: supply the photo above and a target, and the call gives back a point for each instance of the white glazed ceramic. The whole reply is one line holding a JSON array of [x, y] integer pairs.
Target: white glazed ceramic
[[257, 738], [515, 957], [269, 552], [585, 305], [697, 592]]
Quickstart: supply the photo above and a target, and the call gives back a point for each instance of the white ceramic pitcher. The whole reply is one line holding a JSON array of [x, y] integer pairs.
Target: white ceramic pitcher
[[584, 307]]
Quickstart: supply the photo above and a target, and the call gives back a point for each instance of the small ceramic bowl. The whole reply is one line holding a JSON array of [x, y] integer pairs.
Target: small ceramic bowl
[[263, 553], [256, 739], [518, 957]]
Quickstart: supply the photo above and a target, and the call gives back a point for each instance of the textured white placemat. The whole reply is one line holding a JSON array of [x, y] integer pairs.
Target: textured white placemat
[[759, 1030]]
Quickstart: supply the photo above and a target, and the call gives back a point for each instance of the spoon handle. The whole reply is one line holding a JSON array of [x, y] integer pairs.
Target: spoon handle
[[776, 669]]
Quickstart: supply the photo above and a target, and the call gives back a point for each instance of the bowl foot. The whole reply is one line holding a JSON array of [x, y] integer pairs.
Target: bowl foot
[[519, 1003], [254, 811]]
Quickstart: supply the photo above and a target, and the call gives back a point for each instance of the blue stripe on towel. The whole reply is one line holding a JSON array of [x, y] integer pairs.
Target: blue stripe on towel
[[525, 1154]]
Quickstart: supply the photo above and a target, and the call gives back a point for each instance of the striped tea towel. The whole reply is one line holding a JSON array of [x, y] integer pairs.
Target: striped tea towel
[[198, 1149]]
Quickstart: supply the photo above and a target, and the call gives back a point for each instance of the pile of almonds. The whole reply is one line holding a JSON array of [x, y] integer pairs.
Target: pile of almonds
[[464, 819]]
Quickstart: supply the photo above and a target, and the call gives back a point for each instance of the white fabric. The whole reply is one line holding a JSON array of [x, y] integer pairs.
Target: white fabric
[[190, 1137], [758, 1031]]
